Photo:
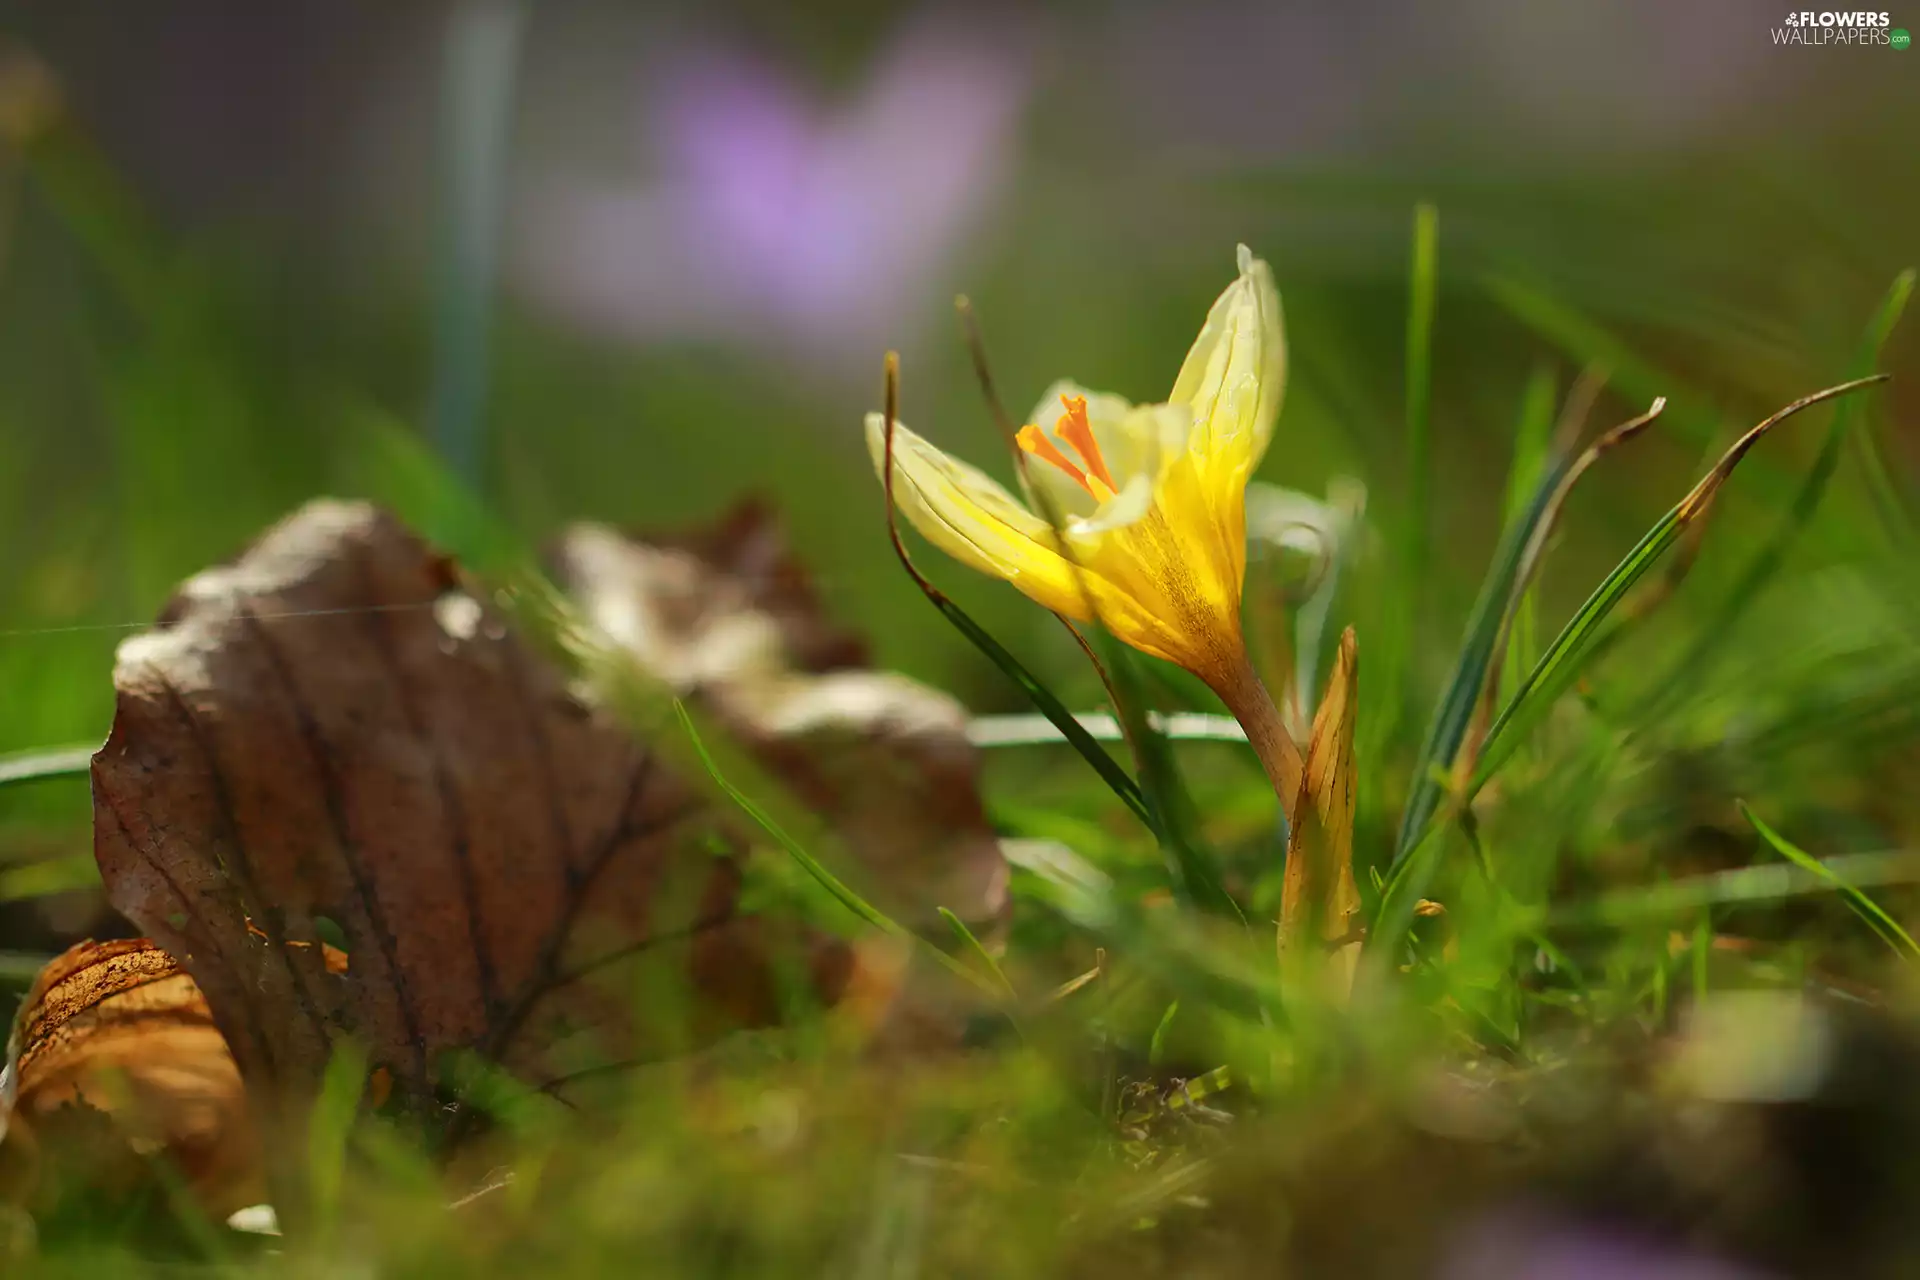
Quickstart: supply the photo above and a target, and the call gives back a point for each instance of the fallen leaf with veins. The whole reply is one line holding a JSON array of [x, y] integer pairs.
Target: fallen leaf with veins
[[727, 618], [115, 1059], [332, 734]]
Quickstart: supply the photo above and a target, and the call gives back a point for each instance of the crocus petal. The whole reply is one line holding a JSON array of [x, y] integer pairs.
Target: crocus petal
[[968, 515], [1132, 503], [1133, 438], [1211, 561], [1142, 440], [1233, 377]]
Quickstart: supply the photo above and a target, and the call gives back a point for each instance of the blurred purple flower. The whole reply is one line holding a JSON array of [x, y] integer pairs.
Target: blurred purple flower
[[1526, 1246], [777, 219]]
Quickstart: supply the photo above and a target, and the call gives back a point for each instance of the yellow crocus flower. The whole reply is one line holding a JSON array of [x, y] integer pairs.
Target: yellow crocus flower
[[1149, 500]]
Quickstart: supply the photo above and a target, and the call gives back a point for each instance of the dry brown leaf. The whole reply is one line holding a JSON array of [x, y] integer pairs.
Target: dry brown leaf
[[115, 1058], [332, 730], [1320, 903], [727, 618], [748, 549]]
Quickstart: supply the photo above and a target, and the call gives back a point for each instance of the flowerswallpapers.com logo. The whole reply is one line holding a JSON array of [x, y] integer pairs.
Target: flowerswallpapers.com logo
[[1850, 28]]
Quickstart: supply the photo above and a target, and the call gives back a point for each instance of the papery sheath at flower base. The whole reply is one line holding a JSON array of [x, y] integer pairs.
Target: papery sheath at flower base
[[1150, 504]]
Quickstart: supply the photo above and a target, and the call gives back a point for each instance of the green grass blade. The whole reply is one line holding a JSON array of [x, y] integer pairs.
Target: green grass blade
[[1766, 561], [1561, 663], [1406, 884], [1110, 770], [1194, 871], [980, 953], [1418, 848], [1405, 608], [328, 1128], [1896, 517], [1532, 435], [398, 469], [1864, 906], [1421, 289], [1737, 886], [1157, 1047], [99, 208], [413, 481], [1530, 446], [1454, 712], [835, 887], [1564, 659], [43, 877]]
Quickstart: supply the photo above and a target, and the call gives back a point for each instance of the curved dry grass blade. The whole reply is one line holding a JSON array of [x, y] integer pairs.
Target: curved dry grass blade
[[1696, 503], [1533, 447], [1767, 560], [1106, 679], [1538, 442], [1577, 641], [1453, 715], [1584, 339], [1530, 560], [1117, 778]]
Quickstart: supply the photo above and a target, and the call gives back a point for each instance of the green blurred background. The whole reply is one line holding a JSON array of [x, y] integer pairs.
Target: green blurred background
[[633, 262]]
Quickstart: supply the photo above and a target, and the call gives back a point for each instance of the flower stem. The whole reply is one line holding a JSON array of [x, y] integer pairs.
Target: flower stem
[[1247, 698]]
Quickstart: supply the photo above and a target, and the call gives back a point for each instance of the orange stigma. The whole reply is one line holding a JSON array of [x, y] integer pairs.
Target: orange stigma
[[1074, 428], [1042, 448]]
